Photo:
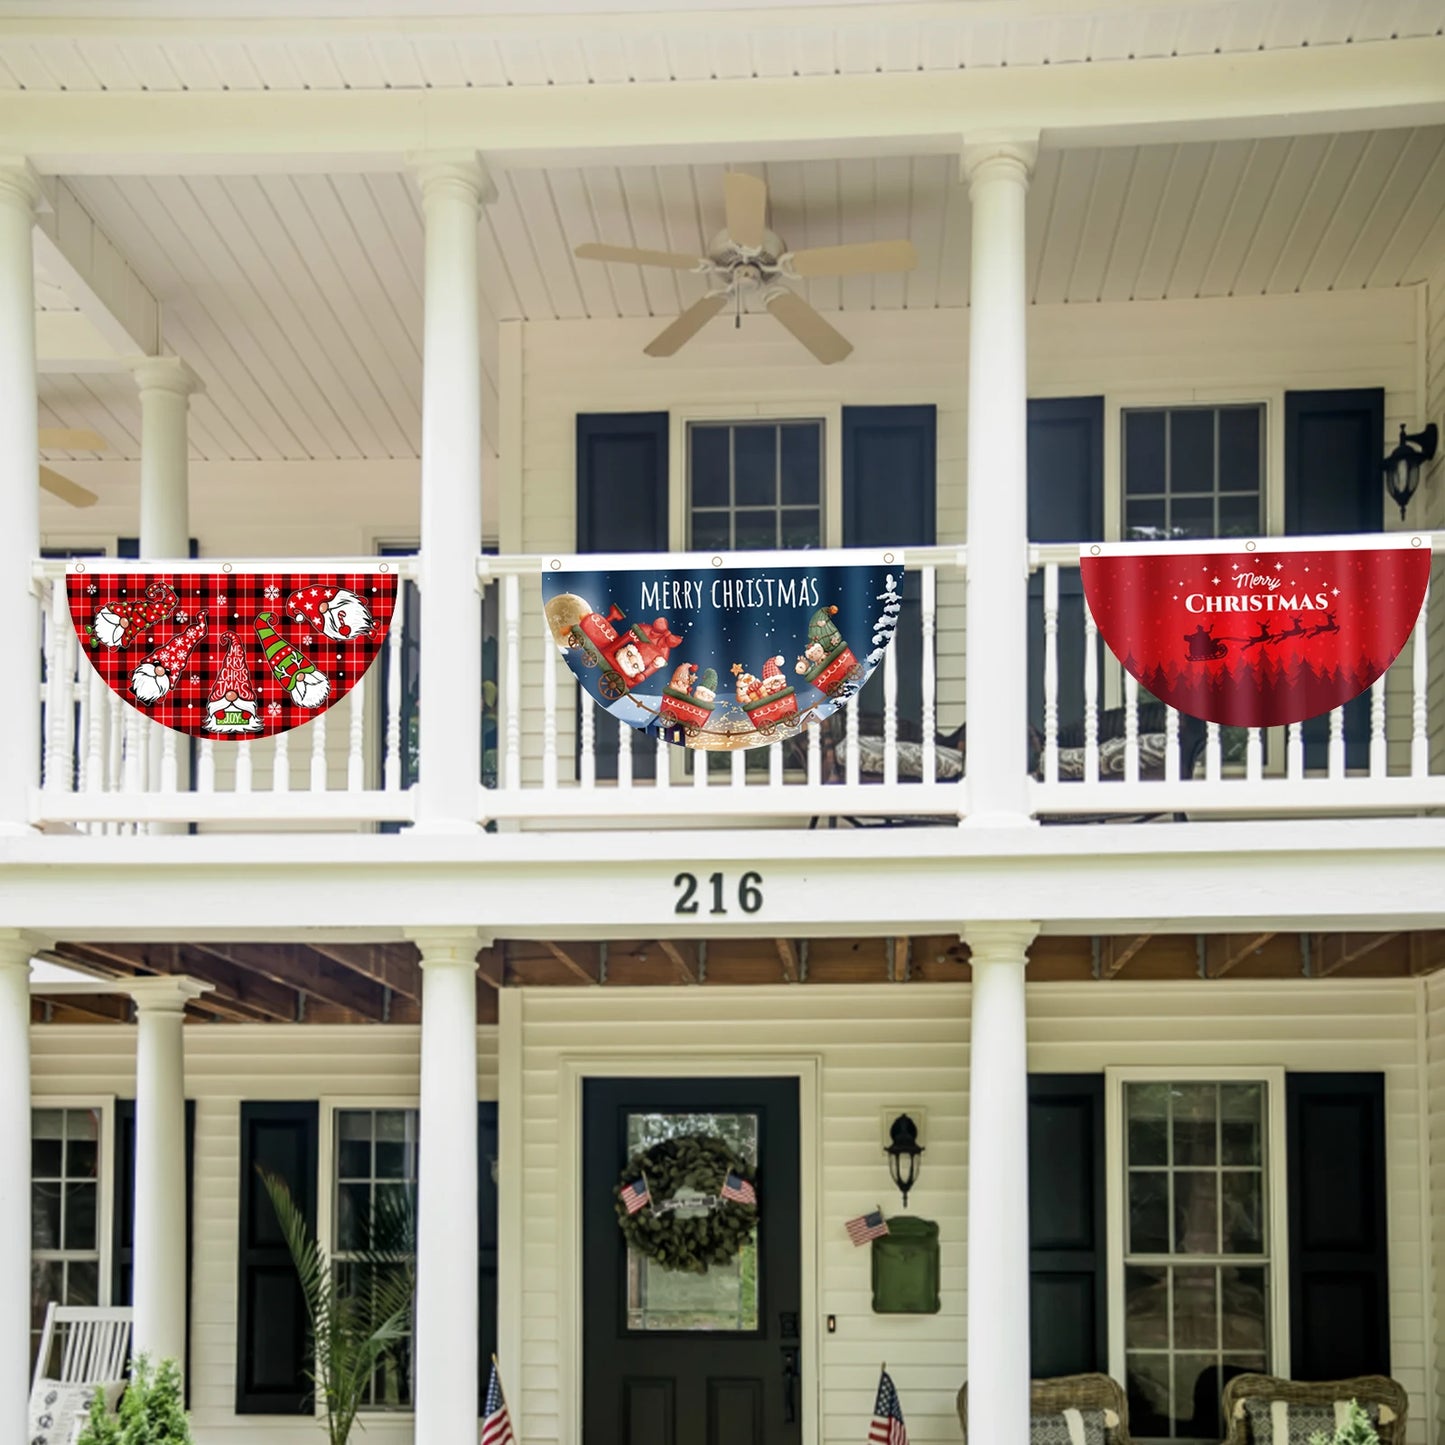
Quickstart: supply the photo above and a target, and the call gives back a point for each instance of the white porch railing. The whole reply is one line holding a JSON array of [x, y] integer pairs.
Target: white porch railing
[[866, 762], [106, 768], [1106, 763]]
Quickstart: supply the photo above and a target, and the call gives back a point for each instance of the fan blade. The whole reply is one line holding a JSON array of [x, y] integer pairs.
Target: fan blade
[[745, 202], [855, 260], [70, 492], [72, 439], [816, 334], [666, 342], [597, 251]]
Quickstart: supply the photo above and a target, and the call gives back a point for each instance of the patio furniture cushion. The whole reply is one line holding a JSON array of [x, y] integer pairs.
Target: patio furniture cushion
[[1277, 1422], [947, 766], [1069, 1427], [58, 1409], [1382, 1398], [1095, 1395]]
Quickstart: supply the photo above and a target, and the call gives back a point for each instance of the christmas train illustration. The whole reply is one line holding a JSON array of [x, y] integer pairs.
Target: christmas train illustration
[[766, 700], [627, 657], [827, 662], [689, 699]]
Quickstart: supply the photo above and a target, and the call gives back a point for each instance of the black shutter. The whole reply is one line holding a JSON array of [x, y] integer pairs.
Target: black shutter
[[622, 507], [1065, 504], [129, 548], [1068, 1284], [1334, 442], [1339, 1287], [271, 1328], [890, 499], [486, 1245], [122, 1219]]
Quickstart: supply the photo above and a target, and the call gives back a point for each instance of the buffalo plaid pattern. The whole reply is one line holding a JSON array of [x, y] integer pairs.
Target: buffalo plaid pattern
[[230, 602]]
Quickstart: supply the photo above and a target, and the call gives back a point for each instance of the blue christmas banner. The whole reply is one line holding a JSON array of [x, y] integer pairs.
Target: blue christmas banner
[[723, 652]]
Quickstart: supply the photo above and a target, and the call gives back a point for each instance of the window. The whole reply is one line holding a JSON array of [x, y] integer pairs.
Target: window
[[1199, 1248], [1193, 471], [375, 1180], [65, 1200], [755, 486]]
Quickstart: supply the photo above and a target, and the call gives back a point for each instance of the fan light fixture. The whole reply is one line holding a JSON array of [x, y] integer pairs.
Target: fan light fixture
[[1402, 466]]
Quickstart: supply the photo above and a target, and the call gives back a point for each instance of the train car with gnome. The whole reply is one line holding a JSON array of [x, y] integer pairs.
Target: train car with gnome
[[629, 655], [827, 662]]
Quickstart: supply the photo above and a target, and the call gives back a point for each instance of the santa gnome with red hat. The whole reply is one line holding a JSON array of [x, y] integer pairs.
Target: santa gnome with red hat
[[334, 612], [120, 623], [152, 680], [231, 707]]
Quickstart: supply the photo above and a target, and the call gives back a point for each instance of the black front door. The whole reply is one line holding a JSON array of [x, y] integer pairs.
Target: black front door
[[672, 1358]]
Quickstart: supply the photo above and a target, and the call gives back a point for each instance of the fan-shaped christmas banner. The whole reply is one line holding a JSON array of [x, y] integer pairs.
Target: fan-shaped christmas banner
[[715, 654], [231, 654], [1257, 634]]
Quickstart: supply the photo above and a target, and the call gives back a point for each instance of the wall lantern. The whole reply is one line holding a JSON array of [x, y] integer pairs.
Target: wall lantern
[[904, 1152], [1402, 466]]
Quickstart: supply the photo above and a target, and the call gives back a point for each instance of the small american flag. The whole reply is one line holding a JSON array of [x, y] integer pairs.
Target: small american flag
[[635, 1196], [736, 1188], [866, 1227], [887, 1427], [496, 1424]]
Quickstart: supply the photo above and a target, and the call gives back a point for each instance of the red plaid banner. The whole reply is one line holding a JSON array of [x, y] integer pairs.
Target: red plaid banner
[[230, 654]]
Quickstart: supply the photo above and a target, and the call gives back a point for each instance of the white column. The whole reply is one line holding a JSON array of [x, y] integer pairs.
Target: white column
[[159, 1290], [453, 191], [15, 1196], [19, 496], [446, 1261], [998, 1185], [996, 690], [165, 384]]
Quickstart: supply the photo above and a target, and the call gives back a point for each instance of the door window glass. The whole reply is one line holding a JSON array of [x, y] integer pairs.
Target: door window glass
[[755, 486], [725, 1298], [64, 1212]]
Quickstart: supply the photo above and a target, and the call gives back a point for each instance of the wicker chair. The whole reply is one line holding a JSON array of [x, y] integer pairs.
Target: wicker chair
[[1367, 1389], [1073, 1392]]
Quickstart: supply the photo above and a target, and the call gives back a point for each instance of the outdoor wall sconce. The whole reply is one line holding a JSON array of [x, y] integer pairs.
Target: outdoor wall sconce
[[904, 1163], [1402, 466]]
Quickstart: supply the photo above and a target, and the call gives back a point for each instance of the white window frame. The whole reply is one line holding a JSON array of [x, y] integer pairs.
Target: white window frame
[[105, 1177], [1276, 1178], [327, 1107]]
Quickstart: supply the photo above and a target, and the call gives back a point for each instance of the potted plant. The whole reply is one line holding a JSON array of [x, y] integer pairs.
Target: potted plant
[[152, 1410]]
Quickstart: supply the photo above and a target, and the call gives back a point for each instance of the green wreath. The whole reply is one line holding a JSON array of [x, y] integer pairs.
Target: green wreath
[[689, 1243]]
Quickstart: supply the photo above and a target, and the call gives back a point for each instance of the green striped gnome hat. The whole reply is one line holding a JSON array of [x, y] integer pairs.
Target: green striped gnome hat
[[306, 686]]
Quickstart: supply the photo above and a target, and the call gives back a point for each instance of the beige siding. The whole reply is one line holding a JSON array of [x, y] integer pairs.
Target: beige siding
[[1429, 506], [1435, 1107], [224, 1065]]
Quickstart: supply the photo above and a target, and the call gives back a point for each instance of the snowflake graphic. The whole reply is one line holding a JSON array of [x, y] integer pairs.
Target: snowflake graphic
[[274, 708], [222, 601], [92, 589], [183, 618], [194, 679], [271, 593]]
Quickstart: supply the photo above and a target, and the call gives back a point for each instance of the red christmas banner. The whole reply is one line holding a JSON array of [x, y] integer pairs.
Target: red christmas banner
[[231, 654], [1257, 634]]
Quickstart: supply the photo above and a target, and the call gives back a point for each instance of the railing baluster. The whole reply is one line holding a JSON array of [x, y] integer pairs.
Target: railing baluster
[[1131, 728], [512, 612], [1213, 756], [1171, 745], [356, 740], [395, 658], [587, 763], [54, 610], [246, 764], [815, 752], [890, 716], [549, 710], [624, 755], [739, 758], [206, 767], [1254, 755], [930, 675], [775, 764], [1379, 747], [95, 733], [281, 764], [115, 741], [135, 751], [1419, 694], [1051, 672], [1091, 697], [662, 766], [700, 767], [1294, 752], [318, 778], [66, 659], [1337, 743], [170, 766], [852, 768], [80, 687]]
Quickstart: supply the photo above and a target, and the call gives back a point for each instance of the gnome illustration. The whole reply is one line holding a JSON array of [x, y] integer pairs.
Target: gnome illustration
[[121, 623], [305, 686], [153, 679], [706, 688], [773, 680], [823, 631], [334, 612], [231, 707], [683, 677]]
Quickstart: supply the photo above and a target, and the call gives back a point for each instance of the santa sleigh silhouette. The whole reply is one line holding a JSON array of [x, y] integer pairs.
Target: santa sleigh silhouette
[[627, 657], [1201, 645]]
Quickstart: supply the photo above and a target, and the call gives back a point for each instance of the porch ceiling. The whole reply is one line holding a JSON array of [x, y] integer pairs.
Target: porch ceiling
[[381, 982], [298, 299]]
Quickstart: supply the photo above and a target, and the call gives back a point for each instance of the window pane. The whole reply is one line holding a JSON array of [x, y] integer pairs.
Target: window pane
[[1146, 1307], [1196, 1211], [82, 1282], [82, 1144], [801, 445], [1196, 1397], [1195, 1308], [47, 1286], [755, 466], [1145, 521], [80, 1216], [1241, 1122], [1149, 1212], [1243, 1213], [1144, 451], [1146, 1106], [1239, 428], [710, 466], [1194, 1123], [1149, 1404], [1239, 516], [756, 531], [46, 1130], [1245, 1313], [1191, 517], [711, 530], [1191, 451], [353, 1208], [45, 1216], [802, 527]]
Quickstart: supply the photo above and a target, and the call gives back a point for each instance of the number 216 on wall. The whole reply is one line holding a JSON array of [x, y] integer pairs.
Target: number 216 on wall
[[750, 892]]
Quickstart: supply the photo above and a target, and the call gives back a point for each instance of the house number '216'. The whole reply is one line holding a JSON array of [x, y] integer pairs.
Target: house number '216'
[[750, 892]]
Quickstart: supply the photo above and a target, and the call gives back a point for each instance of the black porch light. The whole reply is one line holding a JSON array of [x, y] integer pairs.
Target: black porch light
[[1402, 466], [903, 1154]]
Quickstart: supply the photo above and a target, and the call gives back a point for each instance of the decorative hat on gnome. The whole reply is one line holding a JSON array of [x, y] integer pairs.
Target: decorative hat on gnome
[[333, 611], [705, 690], [153, 679], [120, 623], [231, 707], [773, 679], [290, 666]]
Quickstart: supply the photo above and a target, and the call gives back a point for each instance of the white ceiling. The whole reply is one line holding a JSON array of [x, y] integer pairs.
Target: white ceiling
[[298, 299]]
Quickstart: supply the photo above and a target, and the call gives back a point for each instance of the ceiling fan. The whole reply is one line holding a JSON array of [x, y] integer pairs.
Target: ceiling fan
[[69, 439], [746, 259]]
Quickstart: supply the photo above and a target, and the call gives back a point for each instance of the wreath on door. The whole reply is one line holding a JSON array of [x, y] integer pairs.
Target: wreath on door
[[678, 1238]]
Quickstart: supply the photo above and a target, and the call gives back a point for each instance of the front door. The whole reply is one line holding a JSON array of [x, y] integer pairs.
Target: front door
[[681, 1358]]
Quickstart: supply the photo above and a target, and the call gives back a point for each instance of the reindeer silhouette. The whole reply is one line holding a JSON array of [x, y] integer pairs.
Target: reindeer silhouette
[[1298, 630], [1263, 635], [1328, 625]]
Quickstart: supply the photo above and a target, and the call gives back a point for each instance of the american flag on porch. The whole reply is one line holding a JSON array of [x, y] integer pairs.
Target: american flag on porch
[[866, 1227], [736, 1188], [887, 1427], [636, 1195], [496, 1423]]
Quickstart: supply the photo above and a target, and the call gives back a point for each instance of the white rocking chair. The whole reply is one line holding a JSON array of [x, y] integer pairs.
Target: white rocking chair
[[94, 1344]]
